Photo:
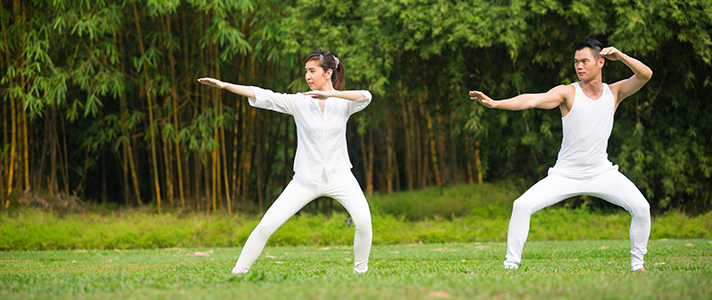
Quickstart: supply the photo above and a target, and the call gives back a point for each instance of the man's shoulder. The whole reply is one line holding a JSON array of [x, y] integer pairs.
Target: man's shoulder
[[565, 90]]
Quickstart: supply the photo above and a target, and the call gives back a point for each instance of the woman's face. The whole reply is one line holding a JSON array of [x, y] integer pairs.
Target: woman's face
[[315, 76]]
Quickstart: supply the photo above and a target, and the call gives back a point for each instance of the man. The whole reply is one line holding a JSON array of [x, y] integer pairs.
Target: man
[[582, 167]]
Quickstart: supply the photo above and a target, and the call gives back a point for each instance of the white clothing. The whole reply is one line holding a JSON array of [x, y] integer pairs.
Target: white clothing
[[611, 186], [586, 128], [343, 187], [321, 166], [583, 168], [321, 139]]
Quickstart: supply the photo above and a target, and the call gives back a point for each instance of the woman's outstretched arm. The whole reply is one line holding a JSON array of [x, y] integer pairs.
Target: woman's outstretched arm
[[235, 88], [348, 95]]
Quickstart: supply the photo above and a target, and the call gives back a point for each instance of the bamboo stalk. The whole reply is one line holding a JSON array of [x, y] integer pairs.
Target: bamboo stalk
[[367, 165], [468, 165], [196, 181], [176, 124], [129, 165], [215, 162], [389, 153], [3, 161], [134, 176], [453, 147], [247, 154], [147, 88], [3, 116], [13, 118], [65, 166], [408, 155], [25, 150], [420, 158], [431, 141], [167, 145], [11, 168], [239, 110], [259, 154], [54, 144], [224, 166], [168, 158], [478, 163], [214, 170], [6, 63]]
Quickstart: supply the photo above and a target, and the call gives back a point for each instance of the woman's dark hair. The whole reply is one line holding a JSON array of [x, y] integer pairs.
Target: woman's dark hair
[[592, 44], [329, 61]]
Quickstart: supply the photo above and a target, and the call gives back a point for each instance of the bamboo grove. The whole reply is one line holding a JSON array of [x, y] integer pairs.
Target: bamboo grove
[[101, 102]]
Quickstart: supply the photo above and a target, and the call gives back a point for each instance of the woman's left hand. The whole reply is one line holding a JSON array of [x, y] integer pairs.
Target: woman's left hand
[[319, 94]]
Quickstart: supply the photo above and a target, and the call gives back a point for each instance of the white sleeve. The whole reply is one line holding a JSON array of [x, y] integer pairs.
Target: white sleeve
[[284, 103], [360, 104]]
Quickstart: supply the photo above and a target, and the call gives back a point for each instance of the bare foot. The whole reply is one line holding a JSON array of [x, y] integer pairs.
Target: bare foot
[[641, 270]]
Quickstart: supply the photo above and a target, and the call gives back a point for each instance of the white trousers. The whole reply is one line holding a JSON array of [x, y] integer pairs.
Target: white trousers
[[343, 187], [611, 186]]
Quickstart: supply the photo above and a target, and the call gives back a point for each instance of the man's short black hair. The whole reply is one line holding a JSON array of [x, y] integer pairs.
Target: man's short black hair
[[592, 44]]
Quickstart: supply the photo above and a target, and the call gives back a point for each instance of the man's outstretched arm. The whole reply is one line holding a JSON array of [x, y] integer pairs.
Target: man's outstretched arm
[[549, 100], [626, 87]]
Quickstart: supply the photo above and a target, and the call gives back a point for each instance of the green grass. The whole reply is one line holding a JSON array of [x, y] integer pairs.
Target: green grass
[[33, 229], [677, 269], [437, 243]]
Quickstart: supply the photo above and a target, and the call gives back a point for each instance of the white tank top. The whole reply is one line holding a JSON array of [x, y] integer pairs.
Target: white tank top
[[587, 128]]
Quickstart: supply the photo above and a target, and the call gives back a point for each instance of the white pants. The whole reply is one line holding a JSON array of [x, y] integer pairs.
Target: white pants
[[611, 186], [343, 187]]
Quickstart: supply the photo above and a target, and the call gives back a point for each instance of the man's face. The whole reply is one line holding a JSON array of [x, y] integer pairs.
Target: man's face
[[587, 65]]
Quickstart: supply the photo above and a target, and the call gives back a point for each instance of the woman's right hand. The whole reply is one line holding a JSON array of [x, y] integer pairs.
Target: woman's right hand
[[212, 82]]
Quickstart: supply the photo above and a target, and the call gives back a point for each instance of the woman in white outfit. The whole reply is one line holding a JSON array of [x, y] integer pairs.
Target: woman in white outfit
[[321, 163], [582, 168]]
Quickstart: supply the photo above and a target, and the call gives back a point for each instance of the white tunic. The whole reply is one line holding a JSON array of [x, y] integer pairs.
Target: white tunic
[[321, 139], [586, 128]]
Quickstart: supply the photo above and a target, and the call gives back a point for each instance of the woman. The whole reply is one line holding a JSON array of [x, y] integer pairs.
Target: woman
[[321, 164]]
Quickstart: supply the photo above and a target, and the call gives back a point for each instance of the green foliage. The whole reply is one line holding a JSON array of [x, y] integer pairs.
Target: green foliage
[[676, 269], [452, 202], [82, 58]]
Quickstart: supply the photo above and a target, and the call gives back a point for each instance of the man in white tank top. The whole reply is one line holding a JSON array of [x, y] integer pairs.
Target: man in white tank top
[[582, 167]]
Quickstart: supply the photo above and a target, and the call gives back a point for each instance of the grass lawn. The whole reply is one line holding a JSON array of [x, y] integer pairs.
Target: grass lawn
[[677, 269]]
